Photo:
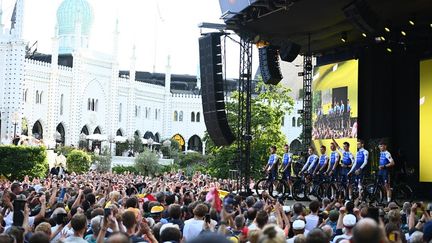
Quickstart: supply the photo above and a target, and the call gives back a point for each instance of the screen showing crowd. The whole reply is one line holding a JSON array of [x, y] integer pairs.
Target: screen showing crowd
[[335, 102]]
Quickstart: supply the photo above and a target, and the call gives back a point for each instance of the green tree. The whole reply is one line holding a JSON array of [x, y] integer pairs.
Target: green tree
[[191, 159], [268, 109], [120, 169], [103, 161], [78, 161], [18, 161], [147, 163], [137, 144]]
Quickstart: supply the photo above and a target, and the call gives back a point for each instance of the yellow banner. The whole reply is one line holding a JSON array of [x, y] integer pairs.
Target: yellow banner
[[425, 120]]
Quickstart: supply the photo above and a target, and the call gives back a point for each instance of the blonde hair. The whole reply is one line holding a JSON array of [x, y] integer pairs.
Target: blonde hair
[[254, 235], [44, 227], [272, 233]]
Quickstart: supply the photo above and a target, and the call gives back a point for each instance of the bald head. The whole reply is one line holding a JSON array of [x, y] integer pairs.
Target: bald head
[[366, 230], [328, 230]]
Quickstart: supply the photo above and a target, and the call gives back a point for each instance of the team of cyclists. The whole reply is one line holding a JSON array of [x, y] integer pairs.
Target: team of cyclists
[[341, 165]]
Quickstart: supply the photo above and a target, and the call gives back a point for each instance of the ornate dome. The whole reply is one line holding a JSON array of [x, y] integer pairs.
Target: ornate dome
[[69, 12]]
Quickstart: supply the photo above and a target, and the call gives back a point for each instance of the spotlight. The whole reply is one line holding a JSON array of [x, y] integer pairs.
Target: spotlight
[[430, 25], [382, 38], [387, 29], [389, 49], [344, 37], [411, 22], [403, 33], [364, 34]]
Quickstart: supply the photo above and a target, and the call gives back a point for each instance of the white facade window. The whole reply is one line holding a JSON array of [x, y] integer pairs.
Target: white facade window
[[61, 104], [181, 116], [96, 105], [283, 121], [299, 121], [293, 122], [147, 113], [37, 96], [198, 117], [193, 116], [40, 97], [136, 111], [156, 114], [120, 112], [25, 95], [88, 104], [175, 116]]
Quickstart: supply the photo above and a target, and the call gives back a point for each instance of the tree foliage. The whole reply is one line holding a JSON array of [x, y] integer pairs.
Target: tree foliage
[[189, 159], [147, 163], [121, 169], [268, 109], [103, 160], [19, 161], [78, 161]]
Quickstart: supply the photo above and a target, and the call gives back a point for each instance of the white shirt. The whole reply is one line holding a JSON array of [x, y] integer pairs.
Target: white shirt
[[344, 236], [69, 232], [311, 222], [192, 228]]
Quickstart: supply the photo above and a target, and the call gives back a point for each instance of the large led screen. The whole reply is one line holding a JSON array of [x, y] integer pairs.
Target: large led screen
[[334, 104], [425, 120]]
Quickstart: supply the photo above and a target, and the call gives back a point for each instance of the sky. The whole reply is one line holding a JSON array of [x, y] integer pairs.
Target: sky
[[157, 28]]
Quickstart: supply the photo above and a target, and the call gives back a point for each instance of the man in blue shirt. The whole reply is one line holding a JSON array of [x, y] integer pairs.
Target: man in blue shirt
[[286, 167], [311, 162], [346, 163], [272, 164], [359, 164], [322, 162], [385, 163], [333, 168]]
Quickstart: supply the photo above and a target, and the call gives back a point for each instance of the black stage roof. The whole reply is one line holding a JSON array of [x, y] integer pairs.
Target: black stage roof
[[327, 20]]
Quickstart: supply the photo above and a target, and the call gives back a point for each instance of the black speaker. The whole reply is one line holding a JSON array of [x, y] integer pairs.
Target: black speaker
[[269, 65], [212, 90], [289, 51]]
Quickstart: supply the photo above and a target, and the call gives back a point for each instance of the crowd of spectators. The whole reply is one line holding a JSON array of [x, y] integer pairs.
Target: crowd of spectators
[[114, 208]]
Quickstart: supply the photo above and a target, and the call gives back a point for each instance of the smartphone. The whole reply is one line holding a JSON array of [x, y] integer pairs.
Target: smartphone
[[207, 218], [373, 213], [107, 212], [393, 237]]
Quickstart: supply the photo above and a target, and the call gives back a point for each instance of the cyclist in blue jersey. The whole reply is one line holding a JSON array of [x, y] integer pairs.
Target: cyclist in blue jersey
[[334, 161], [286, 167], [322, 162], [311, 162], [272, 164], [359, 164], [385, 163], [346, 163]]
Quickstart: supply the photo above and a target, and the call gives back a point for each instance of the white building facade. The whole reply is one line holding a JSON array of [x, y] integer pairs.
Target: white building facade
[[86, 96]]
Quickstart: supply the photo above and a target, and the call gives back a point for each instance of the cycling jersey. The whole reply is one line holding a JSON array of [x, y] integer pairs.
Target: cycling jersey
[[286, 161], [334, 156], [271, 163], [322, 161], [311, 163], [383, 174]]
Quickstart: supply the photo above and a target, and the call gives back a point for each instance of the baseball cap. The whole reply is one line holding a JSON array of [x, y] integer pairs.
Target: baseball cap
[[349, 220], [427, 231], [298, 224], [157, 209]]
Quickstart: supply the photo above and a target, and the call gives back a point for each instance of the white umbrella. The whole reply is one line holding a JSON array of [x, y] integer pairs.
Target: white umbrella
[[120, 139], [97, 137]]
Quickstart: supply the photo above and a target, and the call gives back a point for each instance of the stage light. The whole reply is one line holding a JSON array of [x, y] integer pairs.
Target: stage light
[[403, 33], [344, 37], [430, 25], [382, 38], [364, 35], [387, 29], [411, 22], [389, 49]]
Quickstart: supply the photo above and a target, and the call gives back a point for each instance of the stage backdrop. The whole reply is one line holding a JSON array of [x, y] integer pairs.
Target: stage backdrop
[[335, 91], [425, 120]]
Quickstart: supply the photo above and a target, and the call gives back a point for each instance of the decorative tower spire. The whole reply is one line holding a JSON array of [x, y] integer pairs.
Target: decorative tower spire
[[18, 19], [116, 40], [168, 75]]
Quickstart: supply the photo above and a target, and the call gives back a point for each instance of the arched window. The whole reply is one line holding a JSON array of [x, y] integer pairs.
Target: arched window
[[193, 116], [25, 95], [299, 121], [96, 105], [37, 96], [40, 97], [175, 116], [92, 104], [181, 116], [147, 113], [89, 104], [293, 122], [198, 118], [61, 104], [120, 112], [283, 121], [136, 111]]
